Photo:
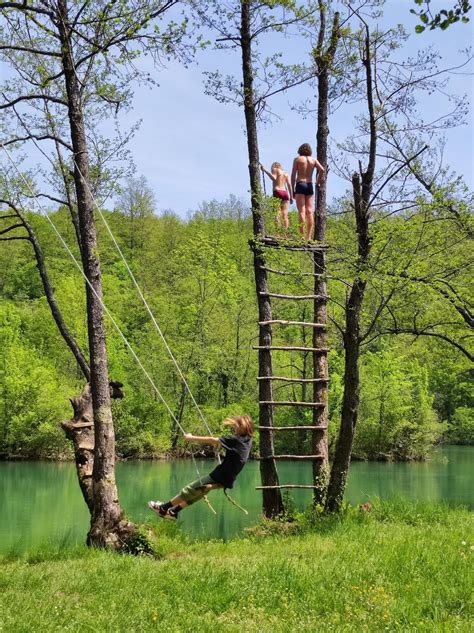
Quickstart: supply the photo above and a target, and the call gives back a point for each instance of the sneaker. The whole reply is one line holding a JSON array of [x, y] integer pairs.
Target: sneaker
[[157, 506]]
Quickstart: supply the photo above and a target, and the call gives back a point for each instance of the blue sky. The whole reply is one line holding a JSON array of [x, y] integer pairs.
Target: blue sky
[[192, 148]]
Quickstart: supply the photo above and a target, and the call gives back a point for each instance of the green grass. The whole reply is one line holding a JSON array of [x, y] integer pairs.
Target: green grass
[[400, 567]]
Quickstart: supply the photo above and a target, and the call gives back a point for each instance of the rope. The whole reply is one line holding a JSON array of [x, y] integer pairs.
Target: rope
[[104, 307], [234, 502], [130, 272], [145, 303]]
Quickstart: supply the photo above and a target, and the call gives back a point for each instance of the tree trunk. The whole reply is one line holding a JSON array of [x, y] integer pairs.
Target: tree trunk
[[80, 430], [350, 405], [323, 59], [362, 191], [179, 417], [272, 500], [106, 520]]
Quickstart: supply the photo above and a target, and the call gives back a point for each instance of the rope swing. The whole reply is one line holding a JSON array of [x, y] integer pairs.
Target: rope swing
[[44, 213]]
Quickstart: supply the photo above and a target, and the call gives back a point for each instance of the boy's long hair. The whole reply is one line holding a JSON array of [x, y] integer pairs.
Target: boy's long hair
[[242, 424], [305, 150]]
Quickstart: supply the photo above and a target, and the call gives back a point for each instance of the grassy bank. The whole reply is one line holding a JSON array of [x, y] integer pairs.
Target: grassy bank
[[395, 568]]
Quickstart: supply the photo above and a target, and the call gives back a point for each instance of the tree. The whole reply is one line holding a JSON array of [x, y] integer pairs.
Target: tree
[[137, 202], [380, 191], [69, 58]]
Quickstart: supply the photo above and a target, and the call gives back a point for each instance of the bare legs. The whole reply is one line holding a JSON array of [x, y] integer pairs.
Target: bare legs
[[179, 501], [305, 215], [282, 217]]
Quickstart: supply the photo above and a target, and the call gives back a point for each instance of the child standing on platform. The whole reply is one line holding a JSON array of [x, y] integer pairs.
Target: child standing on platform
[[281, 190]]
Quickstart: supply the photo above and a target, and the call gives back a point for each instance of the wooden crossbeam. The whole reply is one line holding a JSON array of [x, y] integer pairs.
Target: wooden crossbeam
[[299, 457], [275, 243], [290, 403], [302, 323], [285, 379], [275, 295], [287, 272], [292, 348], [293, 428], [284, 486]]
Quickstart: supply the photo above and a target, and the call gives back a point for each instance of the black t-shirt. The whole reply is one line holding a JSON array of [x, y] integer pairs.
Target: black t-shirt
[[237, 451]]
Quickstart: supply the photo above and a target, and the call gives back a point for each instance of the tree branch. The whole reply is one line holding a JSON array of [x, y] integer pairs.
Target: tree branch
[[30, 98]]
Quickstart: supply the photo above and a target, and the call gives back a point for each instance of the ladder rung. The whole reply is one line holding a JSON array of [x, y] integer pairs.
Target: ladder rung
[[301, 457], [303, 323], [285, 348], [293, 428], [289, 403], [285, 379], [293, 297], [284, 486], [275, 243], [282, 272]]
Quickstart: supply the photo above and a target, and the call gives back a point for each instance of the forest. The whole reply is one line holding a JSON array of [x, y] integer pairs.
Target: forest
[[198, 277]]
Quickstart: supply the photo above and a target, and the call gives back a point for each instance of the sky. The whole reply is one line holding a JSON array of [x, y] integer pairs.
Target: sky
[[192, 149]]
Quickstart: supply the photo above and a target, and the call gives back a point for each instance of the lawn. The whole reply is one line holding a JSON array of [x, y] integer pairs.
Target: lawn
[[396, 568]]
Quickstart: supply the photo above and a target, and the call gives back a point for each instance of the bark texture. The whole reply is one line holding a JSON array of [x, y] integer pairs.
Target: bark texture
[[323, 57], [107, 513], [80, 430], [272, 500]]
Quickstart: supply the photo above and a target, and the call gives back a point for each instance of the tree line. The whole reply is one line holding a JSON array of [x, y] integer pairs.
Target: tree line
[[415, 391]]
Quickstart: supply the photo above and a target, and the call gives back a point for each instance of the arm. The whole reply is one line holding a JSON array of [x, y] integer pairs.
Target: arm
[[290, 188], [212, 441], [269, 173], [320, 171], [293, 175]]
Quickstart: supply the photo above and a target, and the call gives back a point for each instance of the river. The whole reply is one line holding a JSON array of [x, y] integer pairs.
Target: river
[[41, 501]]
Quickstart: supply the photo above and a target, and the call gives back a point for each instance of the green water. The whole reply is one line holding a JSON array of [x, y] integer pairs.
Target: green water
[[40, 502]]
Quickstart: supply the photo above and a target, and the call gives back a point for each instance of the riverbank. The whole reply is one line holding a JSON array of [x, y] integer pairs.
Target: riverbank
[[68, 456], [398, 567]]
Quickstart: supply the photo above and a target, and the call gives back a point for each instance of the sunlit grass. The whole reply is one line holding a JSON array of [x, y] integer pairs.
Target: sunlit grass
[[397, 567]]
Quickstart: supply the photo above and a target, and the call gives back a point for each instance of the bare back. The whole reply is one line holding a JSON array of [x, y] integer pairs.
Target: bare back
[[281, 179], [303, 168]]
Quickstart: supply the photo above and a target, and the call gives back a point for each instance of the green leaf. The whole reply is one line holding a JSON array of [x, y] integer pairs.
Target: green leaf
[[419, 28]]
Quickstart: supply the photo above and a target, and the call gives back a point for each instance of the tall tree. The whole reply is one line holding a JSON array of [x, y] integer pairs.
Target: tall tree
[[380, 190], [239, 26], [75, 57]]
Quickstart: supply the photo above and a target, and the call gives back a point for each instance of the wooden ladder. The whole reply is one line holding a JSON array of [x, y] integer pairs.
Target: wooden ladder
[[319, 350]]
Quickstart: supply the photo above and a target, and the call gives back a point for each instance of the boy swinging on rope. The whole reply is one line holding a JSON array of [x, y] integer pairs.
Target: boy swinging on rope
[[237, 450]]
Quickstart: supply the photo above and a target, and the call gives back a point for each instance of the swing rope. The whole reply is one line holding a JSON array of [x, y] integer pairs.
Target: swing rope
[[234, 502], [100, 300]]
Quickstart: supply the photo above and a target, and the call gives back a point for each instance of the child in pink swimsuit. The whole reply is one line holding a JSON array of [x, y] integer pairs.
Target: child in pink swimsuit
[[281, 190]]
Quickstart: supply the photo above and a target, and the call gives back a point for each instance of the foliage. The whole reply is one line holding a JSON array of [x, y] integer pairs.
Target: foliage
[[32, 394], [444, 18], [461, 430], [204, 299], [397, 417]]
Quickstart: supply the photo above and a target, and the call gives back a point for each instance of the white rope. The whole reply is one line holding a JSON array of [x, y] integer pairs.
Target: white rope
[[145, 302], [106, 310], [132, 276]]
